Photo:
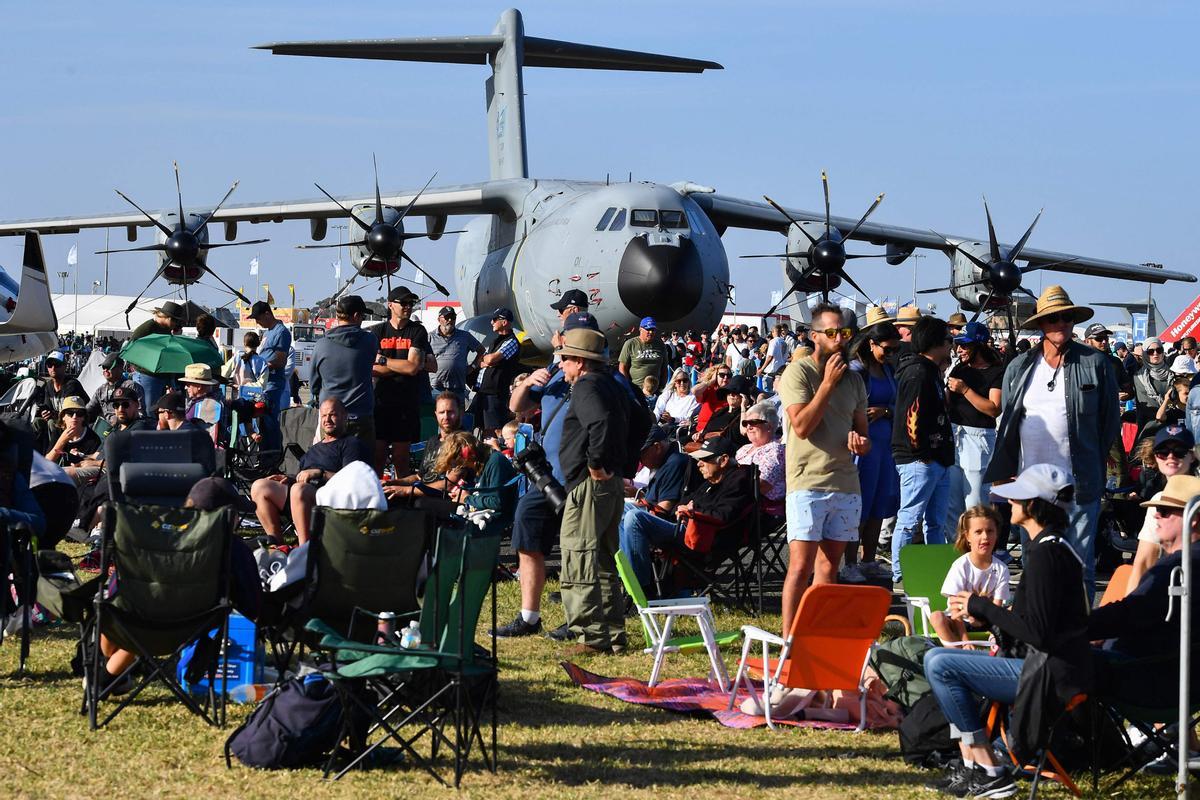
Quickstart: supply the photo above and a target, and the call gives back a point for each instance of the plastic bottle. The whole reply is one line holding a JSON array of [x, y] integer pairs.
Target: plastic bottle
[[411, 638], [248, 693], [387, 625]]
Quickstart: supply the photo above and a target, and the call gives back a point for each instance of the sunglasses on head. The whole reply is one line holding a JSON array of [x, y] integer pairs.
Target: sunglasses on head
[[1171, 452], [834, 333]]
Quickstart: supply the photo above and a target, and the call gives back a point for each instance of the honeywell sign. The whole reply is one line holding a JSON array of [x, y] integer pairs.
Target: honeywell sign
[[1185, 324]]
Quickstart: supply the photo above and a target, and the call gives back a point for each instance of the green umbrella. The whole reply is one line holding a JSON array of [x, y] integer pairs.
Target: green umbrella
[[162, 354]]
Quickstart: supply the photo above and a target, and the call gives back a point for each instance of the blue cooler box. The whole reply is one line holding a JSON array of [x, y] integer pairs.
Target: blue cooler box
[[245, 659]]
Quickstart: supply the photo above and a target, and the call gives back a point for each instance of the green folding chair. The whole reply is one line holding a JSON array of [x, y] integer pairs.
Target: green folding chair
[[445, 683], [658, 635], [925, 567]]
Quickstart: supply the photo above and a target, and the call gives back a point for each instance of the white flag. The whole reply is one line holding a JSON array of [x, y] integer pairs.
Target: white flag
[[419, 277], [254, 266], [776, 297], [337, 269], [73, 255]]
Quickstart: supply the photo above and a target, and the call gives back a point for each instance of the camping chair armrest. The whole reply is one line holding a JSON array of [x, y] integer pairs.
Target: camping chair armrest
[[701, 600], [332, 640], [683, 610], [923, 604], [755, 632], [968, 643]]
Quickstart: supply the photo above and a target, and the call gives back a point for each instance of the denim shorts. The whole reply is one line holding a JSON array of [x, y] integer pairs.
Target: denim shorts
[[813, 516]]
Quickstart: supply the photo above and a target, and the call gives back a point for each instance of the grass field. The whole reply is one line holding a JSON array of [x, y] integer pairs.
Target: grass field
[[555, 741]]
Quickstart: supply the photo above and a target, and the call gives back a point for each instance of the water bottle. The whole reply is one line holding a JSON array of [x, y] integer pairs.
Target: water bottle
[[411, 638], [248, 693]]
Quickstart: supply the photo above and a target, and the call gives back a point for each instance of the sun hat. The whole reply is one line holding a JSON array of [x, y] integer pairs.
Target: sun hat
[[1055, 300], [584, 343], [876, 315], [1177, 492], [198, 373], [908, 315], [957, 320], [172, 310]]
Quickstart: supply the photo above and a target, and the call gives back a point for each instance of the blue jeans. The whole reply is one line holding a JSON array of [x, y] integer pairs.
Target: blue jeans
[[152, 389], [924, 492], [639, 531], [960, 677], [1085, 519], [277, 398], [972, 451]]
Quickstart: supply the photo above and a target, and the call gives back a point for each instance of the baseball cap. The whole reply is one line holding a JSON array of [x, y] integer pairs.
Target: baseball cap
[[581, 320], [1044, 481], [648, 323], [571, 297], [1183, 365], [656, 434], [72, 404], [113, 360], [448, 312], [55, 355], [502, 313], [259, 308], [973, 333], [1174, 433], [350, 304], [210, 494], [1096, 329], [171, 401], [714, 448], [125, 393], [402, 294]]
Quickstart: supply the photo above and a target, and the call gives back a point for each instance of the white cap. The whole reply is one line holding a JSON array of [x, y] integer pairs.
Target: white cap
[[1183, 365], [1044, 481]]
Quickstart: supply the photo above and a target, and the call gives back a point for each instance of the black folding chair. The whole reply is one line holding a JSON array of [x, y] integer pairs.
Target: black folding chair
[[18, 544], [170, 588], [157, 467]]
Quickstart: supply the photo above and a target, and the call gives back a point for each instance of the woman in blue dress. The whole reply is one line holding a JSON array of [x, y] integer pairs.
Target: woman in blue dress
[[875, 354]]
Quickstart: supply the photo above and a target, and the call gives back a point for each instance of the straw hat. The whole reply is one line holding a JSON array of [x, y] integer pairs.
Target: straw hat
[[198, 373], [908, 315], [875, 315], [1177, 492], [957, 320], [1055, 300]]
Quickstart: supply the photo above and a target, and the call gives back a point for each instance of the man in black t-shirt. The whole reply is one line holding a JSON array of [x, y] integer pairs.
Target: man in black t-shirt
[[320, 463], [77, 446], [400, 371], [48, 400], [498, 367]]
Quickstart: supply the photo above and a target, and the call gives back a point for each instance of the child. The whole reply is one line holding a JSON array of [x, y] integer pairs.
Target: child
[[650, 390], [976, 571]]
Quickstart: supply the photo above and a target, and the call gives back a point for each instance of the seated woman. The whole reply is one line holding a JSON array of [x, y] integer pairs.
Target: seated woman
[[495, 489], [760, 423], [725, 421], [676, 404], [977, 570], [1048, 616], [1171, 452], [457, 463]]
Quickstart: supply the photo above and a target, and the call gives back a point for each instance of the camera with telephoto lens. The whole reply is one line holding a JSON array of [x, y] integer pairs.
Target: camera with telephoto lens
[[534, 466]]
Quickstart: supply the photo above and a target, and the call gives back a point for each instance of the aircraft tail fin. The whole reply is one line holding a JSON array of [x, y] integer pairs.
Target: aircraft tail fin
[[35, 311], [508, 50]]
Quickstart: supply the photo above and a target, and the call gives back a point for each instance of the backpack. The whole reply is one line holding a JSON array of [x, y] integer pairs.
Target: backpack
[[899, 664], [296, 724], [925, 735]]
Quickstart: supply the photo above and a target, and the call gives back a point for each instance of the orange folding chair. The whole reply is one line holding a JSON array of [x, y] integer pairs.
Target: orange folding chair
[[1118, 585], [827, 648]]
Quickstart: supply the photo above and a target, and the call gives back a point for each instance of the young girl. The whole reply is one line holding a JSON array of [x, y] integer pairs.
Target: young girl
[[976, 571]]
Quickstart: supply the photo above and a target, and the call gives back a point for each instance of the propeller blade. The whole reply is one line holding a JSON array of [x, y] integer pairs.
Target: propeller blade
[[412, 202], [324, 246], [788, 216], [974, 259], [133, 249], [991, 232], [155, 222], [846, 277], [232, 290], [1031, 295], [983, 305], [218, 208], [952, 287], [179, 194], [357, 221], [130, 307], [778, 255], [378, 199], [406, 235], [870, 211], [825, 186], [235, 244], [865, 255], [786, 295], [445, 292], [1016, 251]]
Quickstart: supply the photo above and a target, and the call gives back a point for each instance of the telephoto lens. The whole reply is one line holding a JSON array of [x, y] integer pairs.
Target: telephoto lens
[[533, 464]]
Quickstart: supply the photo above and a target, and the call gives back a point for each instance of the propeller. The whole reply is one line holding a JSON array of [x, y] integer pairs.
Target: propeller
[[183, 263], [826, 255], [383, 241], [999, 274]]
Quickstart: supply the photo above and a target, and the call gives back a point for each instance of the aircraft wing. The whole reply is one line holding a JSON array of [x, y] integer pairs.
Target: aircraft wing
[[492, 197], [733, 212], [34, 312]]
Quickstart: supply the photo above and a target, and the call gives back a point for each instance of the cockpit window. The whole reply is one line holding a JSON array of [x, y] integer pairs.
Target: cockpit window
[[672, 219], [618, 222], [644, 218], [604, 220]]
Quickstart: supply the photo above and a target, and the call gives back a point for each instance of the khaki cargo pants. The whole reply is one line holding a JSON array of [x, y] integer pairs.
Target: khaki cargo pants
[[592, 596]]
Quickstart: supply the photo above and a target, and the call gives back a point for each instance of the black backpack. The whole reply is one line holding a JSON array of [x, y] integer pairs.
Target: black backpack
[[639, 422], [297, 724], [925, 735]]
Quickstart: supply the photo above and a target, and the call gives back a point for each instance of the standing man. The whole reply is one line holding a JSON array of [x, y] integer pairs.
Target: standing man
[[101, 404], [906, 318], [399, 372], [827, 427], [922, 441], [592, 452], [343, 361], [644, 356], [778, 356], [498, 367], [573, 301], [274, 348], [451, 348], [167, 319], [1060, 408]]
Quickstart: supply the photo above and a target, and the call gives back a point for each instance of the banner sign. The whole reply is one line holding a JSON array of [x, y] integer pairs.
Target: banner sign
[[1185, 324]]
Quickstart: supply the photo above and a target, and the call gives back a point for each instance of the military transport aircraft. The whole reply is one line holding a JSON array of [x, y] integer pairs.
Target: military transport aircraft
[[31, 328], [636, 249]]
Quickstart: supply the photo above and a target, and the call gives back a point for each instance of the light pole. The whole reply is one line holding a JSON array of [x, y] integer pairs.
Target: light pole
[[63, 276]]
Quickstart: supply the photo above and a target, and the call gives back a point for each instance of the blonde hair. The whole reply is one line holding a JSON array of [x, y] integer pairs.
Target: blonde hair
[[964, 523], [459, 449], [650, 384], [510, 430]]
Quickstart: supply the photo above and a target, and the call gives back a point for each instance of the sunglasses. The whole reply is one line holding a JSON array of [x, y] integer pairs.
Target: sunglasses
[[834, 333], [55, 363], [404, 303], [1151, 350], [754, 422], [1172, 452], [74, 412], [889, 351], [122, 403], [1054, 319], [724, 374]]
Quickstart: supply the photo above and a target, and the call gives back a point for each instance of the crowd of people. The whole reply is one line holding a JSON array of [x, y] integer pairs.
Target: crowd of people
[[858, 437]]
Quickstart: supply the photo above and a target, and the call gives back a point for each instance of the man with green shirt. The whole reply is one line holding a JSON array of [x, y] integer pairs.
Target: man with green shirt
[[645, 356], [827, 416]]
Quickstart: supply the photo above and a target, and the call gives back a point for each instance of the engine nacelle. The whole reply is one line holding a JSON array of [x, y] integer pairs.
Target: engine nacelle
[[797, 242], [360, 256], [963, 271]]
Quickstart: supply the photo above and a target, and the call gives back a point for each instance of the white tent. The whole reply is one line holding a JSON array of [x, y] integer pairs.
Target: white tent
[[101, 311]]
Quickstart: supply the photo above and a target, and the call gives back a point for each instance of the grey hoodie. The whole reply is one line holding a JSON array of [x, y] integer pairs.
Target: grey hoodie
[[341, 368]]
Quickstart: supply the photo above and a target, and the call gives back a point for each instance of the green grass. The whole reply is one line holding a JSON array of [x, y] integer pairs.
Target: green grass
[[555, 741]]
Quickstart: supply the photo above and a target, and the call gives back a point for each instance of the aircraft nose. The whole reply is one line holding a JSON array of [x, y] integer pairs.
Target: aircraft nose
[[662, 278]]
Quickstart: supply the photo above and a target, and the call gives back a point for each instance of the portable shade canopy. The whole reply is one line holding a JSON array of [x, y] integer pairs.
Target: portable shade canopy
[[162, 354]]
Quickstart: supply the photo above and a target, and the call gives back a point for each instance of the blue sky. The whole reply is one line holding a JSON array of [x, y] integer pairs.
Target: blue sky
[[1088, 109]]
